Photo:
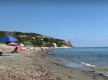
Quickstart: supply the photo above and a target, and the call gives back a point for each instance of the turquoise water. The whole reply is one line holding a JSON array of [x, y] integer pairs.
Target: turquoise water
[[79, 57]]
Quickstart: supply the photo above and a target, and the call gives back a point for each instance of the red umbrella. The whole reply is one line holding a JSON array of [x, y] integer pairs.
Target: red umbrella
[[13, 44]]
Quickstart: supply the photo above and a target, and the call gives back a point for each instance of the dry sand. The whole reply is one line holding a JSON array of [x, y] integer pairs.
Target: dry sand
[[36, 65]]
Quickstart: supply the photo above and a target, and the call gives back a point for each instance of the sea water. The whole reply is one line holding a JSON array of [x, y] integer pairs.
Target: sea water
[[97, 56], [82, 56]]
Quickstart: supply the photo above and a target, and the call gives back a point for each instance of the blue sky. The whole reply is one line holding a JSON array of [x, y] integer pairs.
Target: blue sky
[[84, 24]]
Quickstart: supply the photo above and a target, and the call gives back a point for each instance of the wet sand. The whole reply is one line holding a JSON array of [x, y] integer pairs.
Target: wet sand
[[37, 65]]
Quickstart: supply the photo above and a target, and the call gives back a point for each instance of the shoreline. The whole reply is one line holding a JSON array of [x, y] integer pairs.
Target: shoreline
[[91, 70], [79, 73], [88, 69], [37, 65]]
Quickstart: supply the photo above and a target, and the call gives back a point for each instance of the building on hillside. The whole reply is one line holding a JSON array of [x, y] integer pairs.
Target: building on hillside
[[55, 45], [22, 36]]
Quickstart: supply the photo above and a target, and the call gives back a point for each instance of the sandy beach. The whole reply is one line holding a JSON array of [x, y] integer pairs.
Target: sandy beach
[[37, 65]]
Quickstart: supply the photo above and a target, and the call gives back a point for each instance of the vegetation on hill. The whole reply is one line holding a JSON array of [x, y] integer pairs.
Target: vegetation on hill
[[35, 39]]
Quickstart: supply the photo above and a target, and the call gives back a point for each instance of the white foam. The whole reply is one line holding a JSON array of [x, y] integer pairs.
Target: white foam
[[87, 64]]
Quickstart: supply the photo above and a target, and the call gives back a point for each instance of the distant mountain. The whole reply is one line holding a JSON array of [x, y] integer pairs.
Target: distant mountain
[[35, 39]]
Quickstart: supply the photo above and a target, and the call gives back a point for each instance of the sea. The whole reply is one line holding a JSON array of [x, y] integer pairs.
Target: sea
[[81, 57]]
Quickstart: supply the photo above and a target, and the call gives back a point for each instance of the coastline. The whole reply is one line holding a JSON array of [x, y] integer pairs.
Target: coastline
[[59, 70], [74, 73], [37, 65]]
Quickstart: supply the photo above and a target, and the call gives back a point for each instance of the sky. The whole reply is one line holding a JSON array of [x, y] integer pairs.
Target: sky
[[82, 22]]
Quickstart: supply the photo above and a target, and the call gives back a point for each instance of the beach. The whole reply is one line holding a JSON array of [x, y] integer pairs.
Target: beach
[[37, 65]]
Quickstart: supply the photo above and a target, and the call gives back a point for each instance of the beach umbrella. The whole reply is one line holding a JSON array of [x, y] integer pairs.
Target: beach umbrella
[[13, 44], [8, 39]]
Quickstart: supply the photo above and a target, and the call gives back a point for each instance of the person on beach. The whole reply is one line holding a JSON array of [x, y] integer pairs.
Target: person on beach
[[45, 50], [16, 49], [1, 53]]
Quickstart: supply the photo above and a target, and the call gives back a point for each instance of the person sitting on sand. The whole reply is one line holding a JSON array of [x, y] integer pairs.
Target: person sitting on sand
[[1, 53], [15, 50]]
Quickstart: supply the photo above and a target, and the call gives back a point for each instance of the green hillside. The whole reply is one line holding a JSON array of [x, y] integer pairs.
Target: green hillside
[[35, 39]]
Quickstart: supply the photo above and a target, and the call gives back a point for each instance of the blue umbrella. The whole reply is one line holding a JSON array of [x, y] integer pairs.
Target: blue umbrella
[[8, 38]]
